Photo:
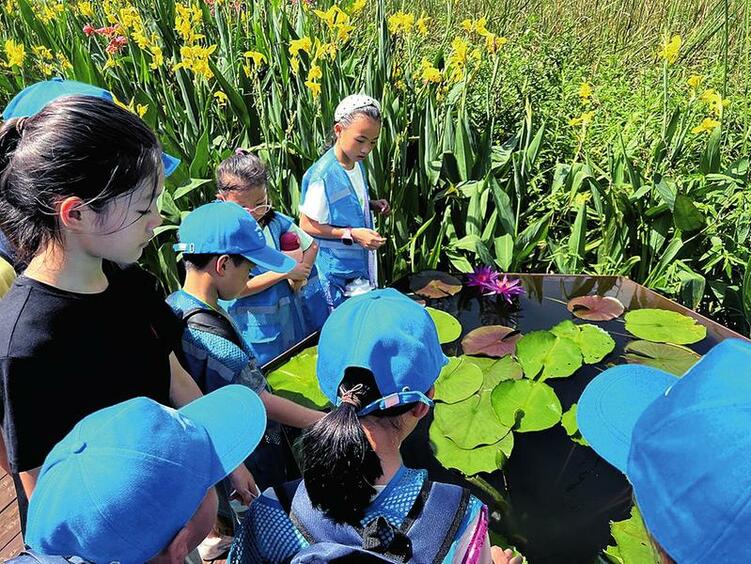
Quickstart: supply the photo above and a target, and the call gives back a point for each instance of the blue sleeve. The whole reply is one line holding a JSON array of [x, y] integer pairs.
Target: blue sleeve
[[218, 362], [266, 535]]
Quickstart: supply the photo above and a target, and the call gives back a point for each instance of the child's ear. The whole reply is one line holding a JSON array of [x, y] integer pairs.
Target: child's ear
[[70, 212], [220, 196], [338, 129], [220, 266]]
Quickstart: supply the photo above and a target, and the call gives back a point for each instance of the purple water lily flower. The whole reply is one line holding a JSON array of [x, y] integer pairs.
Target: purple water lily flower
[[509, 289], [484, 277]]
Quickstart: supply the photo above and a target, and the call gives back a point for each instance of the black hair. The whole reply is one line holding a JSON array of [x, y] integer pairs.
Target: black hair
[[368, 111], [199, 261], [243, 171], [339, 463], [75, 146]]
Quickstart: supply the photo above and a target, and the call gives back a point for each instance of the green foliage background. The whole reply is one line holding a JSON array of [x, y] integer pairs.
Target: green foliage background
[[482, 166]]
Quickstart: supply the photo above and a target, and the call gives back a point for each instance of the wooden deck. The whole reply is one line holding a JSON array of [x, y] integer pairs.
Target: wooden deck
[[11, 542]]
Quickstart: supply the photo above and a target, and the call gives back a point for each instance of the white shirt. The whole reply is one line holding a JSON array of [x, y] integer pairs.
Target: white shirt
[[316, 206]]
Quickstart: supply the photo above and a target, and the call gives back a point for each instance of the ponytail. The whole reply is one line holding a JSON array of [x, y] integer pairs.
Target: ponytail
[[339, 463]]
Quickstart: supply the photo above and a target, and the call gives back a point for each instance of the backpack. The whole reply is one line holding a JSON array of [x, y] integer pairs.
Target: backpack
[[425, 535]]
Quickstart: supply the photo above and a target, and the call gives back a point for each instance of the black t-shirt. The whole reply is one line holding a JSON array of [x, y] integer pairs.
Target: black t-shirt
[[65, 355]]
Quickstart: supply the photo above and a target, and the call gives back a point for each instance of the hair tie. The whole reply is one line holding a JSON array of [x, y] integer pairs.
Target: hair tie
[[241, 151], [350, 396]]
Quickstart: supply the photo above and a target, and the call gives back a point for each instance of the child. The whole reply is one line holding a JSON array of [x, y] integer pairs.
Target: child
[[78, 333], [356, 494], [133, 482], [684, 445], [221, 242], [336, 207], [274, 312]]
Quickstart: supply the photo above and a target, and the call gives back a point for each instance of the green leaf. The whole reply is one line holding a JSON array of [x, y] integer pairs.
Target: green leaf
[[186, 189], [632, 542], [686, 215], [746, 292], [471, 422], [447, 325], [670, 358], [710, 160], [568, 421], [504, 251], [554, 356], [458, 380], [496, 370], [296, 380], [525, 405], [470, 461], [199, 165], [593, 342], [663, 326]]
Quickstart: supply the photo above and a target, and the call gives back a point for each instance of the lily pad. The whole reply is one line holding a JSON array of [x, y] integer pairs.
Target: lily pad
[[670, 358], [663, 326], [470, 461], [458, 380], [568, 421], [470, 423], [632, 543], [447, 325], [525, 405], [495, 371], [434, 284], [543, 351], [596, 308], [593, 342], [491, 340], [296, 380]]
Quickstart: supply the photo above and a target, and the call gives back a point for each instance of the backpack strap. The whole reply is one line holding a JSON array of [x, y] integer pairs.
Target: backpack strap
[[433, 531], [285, 493], [213, 322]]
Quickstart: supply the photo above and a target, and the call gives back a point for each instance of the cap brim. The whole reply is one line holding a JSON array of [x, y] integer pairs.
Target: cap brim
[[170, 164], [613, 402], [271, 259], [235, 419]]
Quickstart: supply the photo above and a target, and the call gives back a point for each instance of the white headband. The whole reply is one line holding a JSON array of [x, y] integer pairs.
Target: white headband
[[354, 102]]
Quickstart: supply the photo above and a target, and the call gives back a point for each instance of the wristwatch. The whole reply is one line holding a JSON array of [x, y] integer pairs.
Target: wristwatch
[[347, 238]]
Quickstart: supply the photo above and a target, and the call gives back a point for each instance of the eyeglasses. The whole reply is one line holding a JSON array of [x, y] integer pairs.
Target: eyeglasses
[[263, 209]]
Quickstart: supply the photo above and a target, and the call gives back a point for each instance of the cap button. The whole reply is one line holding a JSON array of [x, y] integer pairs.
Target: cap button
[[375, 297], [78, 448]]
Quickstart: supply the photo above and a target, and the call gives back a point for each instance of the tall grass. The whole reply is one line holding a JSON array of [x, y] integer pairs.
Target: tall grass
[[502, 161]]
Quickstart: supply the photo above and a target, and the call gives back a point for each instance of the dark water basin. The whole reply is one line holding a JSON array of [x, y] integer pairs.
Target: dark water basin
[[554, 499]]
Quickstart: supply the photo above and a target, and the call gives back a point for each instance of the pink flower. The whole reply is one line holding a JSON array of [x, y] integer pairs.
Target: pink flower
[[484, 277], [88, 29], [509, 289], [116, 44]]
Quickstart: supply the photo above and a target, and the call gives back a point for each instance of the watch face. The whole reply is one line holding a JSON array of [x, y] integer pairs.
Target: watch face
[[347, 240]]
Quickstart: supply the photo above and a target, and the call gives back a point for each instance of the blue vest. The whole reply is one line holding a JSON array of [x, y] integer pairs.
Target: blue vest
[[425, 535], [340, 261], [271, 321]]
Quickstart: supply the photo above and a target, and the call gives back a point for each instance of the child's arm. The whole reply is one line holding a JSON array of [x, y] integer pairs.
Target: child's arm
[[288, 412], [309, 255], [363, 236], [258, 284]]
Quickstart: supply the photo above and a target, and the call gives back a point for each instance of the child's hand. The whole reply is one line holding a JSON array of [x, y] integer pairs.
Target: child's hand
[[501, 556], [381, 206], [367, 238], [300, 272], [244, 485], [296, 285]]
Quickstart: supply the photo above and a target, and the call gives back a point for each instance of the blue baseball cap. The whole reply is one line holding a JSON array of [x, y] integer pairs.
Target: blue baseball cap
[[33, 98], [226, 228], [685, 446], [127, 478], [389, 334]]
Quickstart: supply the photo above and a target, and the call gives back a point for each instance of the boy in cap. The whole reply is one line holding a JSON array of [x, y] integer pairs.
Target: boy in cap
[[684, 444], [220, 243], [132, 483]]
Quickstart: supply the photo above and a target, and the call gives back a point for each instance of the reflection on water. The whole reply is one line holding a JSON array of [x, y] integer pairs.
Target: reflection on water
[[554, 499]]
